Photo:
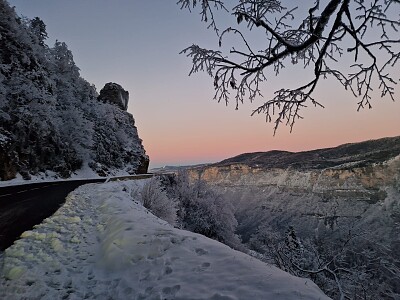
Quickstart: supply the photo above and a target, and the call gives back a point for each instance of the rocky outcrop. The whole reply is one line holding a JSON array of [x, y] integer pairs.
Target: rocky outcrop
[[114, 93], [143, 165]]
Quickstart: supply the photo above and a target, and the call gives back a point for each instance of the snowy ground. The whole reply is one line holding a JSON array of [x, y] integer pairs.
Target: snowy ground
[[103, 245], [49, 176]]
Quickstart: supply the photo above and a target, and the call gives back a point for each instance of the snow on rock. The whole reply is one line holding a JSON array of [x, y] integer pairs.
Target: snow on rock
[[103, 244]]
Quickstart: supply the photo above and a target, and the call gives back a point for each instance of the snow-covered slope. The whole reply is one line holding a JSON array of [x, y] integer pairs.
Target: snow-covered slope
[[103, 244]]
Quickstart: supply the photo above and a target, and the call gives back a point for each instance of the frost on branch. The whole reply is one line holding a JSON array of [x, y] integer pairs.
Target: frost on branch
[[320, 35], [206, 12]]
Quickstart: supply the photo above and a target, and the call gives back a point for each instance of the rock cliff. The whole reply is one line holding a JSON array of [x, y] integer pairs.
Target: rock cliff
[[114, 93]]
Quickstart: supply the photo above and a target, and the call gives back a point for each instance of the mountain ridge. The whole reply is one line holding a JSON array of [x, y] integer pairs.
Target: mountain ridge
[[365, 152]]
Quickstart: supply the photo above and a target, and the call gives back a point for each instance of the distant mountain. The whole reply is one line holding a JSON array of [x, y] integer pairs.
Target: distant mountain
[[360, 154], [52, 121], [175, 169]]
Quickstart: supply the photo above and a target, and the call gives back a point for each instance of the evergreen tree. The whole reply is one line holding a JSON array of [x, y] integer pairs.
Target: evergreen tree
[[39, 29]]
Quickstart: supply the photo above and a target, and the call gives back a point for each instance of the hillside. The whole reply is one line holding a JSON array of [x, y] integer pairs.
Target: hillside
[[53, 123], [356, 154]]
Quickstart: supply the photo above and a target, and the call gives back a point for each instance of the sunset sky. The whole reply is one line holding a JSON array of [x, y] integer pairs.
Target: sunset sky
[[136, 43]]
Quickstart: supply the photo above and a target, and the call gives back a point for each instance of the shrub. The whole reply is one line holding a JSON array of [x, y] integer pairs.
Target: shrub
[[203, 210], [155, 199]]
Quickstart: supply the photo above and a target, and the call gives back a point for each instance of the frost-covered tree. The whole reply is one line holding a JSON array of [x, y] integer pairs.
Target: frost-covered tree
[[345, 265], [64, 61], [38, 27], [203, 210], [155, 198], [355, 42]]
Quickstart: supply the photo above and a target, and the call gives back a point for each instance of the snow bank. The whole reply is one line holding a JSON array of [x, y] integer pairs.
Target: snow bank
[[103, 245], [85, 173]]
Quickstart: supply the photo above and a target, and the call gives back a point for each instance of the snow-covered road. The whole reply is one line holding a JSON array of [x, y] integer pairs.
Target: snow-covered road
[[103, 244]]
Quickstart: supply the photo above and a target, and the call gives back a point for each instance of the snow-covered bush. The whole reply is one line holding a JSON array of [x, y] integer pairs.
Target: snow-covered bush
[[155, 199], [203, 210], [344, 266]]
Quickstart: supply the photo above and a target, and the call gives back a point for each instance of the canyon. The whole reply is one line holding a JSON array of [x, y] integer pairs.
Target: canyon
[[339, 202]]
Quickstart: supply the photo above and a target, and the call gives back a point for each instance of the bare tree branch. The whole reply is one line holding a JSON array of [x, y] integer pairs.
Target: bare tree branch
[[366, 29]]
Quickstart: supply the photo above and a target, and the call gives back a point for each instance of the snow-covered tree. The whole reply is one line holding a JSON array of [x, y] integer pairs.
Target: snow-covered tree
[[38, 27], [64, 61], [344, 265], [205, 211], [155, 198]]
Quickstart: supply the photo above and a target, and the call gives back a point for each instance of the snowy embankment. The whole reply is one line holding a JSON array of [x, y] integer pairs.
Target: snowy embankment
[[85, 173], [103, 245]]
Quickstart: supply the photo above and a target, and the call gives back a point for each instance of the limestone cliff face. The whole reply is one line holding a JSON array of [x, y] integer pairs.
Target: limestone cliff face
[[364, 182]]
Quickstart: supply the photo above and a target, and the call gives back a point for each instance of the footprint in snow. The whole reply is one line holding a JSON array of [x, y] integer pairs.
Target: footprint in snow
[[171, 291], [201, 252], [168, 270], [202, 267]]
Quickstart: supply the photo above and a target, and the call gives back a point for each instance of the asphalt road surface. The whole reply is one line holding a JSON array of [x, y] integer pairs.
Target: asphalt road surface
[[23, 206]]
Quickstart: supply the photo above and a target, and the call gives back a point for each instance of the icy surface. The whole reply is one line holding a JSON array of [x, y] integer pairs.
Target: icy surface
[[102, 244]]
